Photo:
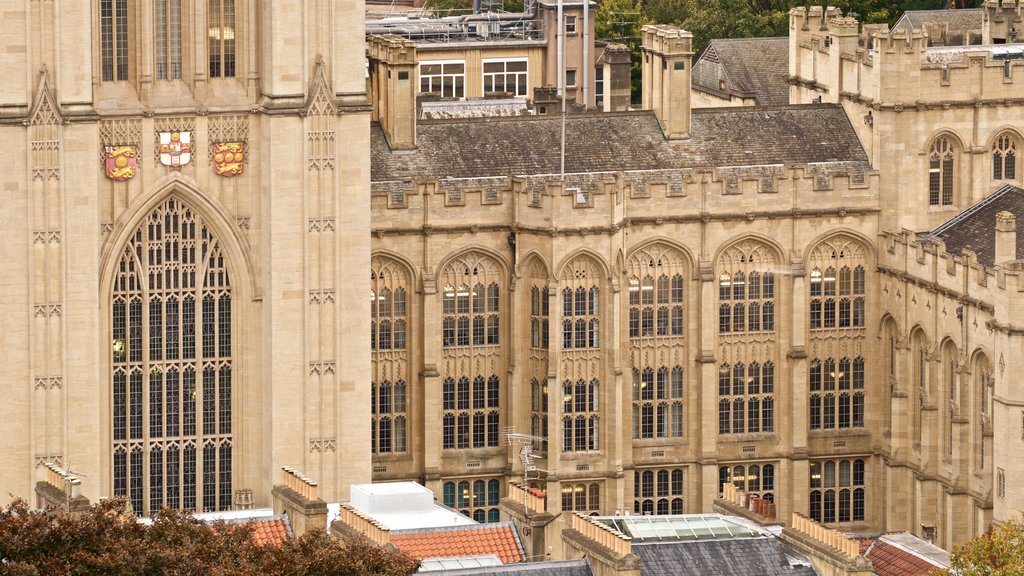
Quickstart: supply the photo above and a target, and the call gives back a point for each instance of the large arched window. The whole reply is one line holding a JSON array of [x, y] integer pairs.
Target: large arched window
[[389, 312], [837, 284], [471, 303], [472, 300], [581, 305], [1004, 157], [656, 293], [746, 289], [941, 172], [172, 360]]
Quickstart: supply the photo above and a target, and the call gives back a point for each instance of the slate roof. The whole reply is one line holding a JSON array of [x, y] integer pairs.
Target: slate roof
[[960, 22], [560, 568], [603, 142], [974, 228], [739, 557], [751, 68], [498, 538]]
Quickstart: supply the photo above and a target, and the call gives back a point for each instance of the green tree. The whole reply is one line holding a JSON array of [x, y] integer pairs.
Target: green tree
[[107, 540], [620, 21], [998, 552]]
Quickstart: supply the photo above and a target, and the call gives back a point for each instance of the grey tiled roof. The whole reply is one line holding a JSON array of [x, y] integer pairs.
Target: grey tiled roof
[[604, 142], [742, 557], [974, 228], [560, 568], [751, 68], [960, 23]]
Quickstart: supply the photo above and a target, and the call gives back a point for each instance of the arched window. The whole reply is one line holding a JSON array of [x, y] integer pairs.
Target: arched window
[[656, 291], [389, 283], [471, 307], [746, 289], [837, 284], [172, 284], [941, 172], [1004, 158], [581, 305], [756, 479], [471, 303], [658, 491], [581, 497], [475, 498]]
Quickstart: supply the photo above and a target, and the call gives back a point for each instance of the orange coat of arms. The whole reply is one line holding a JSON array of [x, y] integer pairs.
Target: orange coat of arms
[[228, 158], [120, 162]]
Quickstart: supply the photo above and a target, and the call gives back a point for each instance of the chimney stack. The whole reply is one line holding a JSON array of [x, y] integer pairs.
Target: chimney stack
[[617, 71], [667, 53], [393, 84], [1006, 238]]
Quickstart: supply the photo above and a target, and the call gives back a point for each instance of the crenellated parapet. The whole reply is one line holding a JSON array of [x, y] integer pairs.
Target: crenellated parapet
[[610, 200]]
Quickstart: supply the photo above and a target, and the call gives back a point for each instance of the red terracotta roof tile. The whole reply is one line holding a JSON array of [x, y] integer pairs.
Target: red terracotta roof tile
[[270, 531], [889, 560], [468, 541]]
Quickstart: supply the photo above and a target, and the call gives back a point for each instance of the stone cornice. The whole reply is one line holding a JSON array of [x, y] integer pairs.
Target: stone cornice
[[554, 231]]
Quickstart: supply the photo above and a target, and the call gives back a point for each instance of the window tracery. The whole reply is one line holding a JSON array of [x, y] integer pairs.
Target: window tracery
[[171, 318]]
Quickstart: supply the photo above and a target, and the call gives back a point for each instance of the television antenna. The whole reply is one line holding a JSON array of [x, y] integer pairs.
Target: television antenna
[[528, 458]]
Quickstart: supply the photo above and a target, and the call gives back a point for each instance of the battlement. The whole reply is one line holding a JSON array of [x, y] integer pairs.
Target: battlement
[[844, 26], [813, 17], [900, 40], [600, 200]]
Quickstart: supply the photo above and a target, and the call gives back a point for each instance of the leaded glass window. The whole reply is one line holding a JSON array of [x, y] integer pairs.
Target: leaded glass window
[[172, 284]]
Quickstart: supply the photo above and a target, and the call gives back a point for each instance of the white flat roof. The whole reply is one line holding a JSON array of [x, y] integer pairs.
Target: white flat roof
[[404, 506]]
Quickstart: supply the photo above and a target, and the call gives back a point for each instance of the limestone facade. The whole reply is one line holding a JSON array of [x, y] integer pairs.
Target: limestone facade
[[172, 334], [693, 297]]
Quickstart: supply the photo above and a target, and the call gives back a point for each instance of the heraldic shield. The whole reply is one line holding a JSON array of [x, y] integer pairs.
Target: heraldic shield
[[120, 162], [175, 148], [228, 158]]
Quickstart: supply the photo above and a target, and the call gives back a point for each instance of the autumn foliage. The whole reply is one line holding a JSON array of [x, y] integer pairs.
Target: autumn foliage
[[998, 552], [107, 540]]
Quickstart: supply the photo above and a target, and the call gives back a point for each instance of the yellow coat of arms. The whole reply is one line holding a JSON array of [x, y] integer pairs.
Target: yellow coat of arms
[[228, 158]]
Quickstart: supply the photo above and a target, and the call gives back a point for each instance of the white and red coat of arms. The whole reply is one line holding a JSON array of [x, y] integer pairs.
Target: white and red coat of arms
[[175, 148]]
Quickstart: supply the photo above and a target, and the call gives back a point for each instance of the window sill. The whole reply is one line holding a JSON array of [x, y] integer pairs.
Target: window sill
[[839, 432], [749, 437]]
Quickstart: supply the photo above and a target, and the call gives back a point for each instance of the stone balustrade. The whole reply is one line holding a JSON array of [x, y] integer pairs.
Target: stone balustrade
[[63, 480], [534, 499], [827, 536], [365, 525], [300, 483], [601, 533], [751, 502]]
